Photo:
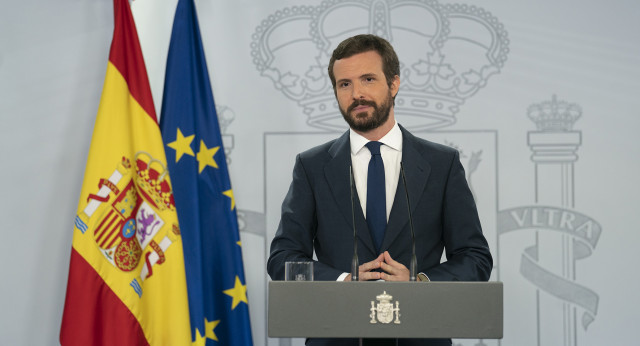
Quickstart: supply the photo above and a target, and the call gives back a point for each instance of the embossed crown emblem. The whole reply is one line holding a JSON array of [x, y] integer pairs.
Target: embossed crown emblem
[[447, 53], [554, 115], [384, 297]]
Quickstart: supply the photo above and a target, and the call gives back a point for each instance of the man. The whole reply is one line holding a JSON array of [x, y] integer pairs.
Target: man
[[316, 213]]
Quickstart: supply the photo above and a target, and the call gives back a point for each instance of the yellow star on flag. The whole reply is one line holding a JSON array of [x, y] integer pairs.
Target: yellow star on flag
[[238, 293], [200, 340], [229, 193], [209, 329], [239, 242], [205, 157], [182, 145]]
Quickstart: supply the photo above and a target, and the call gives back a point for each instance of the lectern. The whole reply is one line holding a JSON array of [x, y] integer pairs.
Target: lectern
[[385, 309]]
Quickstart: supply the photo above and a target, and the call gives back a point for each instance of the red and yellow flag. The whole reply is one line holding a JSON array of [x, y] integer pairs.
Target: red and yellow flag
[[126, 278]]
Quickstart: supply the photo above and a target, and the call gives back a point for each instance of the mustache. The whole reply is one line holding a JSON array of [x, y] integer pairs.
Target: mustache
[[361, 103]]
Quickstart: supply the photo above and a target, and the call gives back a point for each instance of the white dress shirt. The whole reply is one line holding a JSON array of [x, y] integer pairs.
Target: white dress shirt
[[391, 152]]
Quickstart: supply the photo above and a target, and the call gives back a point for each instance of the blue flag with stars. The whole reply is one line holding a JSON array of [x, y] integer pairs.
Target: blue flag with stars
[[216, 286]]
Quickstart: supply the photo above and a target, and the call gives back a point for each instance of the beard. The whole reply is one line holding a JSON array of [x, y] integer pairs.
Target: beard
[[362, 121]]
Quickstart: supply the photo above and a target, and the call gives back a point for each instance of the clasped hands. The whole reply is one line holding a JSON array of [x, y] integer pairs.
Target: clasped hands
[[392, 270]]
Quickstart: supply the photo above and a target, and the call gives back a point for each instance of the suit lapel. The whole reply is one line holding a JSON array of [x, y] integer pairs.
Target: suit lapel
[[417, 171], [337, 174]]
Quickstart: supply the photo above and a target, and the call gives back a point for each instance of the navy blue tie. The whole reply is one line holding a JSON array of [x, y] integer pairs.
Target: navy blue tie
[[376, 201]]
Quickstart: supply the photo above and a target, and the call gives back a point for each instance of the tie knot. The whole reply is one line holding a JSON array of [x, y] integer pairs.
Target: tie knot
[[374, 147]]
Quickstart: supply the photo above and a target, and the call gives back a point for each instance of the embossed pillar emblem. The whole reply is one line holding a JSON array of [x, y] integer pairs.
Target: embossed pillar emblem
[[563, 235]]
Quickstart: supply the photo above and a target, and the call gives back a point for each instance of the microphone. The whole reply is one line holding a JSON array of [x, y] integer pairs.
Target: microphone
[[414, 262], [354, 262]]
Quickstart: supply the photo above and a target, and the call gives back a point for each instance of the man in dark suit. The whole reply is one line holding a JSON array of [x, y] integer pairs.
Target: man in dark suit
[[316, 213]]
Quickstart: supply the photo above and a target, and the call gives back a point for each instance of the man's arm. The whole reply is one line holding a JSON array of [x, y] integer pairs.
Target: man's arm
[[467, 251], [297, 229]]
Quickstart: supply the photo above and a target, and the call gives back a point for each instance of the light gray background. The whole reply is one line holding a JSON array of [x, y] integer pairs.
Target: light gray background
[[53, 57]]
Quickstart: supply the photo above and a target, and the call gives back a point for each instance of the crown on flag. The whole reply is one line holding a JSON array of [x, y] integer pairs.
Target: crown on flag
[[447, 53], [151, 182]]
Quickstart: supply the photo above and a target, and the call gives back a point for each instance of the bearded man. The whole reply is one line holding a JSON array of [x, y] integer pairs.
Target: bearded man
[[316, 212]]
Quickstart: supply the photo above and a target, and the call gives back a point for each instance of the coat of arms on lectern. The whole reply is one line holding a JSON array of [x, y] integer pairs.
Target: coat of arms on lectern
[[385, 310]]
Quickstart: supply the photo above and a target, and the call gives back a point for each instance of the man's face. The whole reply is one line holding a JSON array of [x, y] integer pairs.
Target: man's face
[[364, 97]]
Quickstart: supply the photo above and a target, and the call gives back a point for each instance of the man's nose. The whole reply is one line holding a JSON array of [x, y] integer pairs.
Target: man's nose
[[357, 92]]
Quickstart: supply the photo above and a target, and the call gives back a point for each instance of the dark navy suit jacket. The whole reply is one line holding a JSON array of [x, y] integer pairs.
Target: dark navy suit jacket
[[316, 215]]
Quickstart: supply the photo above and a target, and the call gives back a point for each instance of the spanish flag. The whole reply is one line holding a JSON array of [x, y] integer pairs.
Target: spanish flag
[[127, 281]]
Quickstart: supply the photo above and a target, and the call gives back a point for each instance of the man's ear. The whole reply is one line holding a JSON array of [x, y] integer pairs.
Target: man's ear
[[395, 86]]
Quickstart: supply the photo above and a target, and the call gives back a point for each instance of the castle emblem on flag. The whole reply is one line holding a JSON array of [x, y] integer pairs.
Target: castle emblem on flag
[[125, 214], [384, 310]]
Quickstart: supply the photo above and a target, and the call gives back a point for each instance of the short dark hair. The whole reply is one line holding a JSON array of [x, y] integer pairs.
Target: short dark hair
[[366, 43]]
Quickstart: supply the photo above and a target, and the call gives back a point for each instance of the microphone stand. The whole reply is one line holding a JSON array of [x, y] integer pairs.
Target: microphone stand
[[414, 263], [355, 270]]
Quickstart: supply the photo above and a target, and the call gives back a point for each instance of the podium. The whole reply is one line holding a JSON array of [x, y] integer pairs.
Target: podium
[[330, 309]]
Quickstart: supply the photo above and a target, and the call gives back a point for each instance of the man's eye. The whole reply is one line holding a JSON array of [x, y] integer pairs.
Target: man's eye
[[344, 84]]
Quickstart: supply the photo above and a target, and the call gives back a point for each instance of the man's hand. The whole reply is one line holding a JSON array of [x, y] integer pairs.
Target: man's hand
[[393, 271], [365, 270]]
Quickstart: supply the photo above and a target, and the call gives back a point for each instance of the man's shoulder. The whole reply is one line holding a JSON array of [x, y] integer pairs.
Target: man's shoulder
[[326, 150], [428, 147], [318, 150]]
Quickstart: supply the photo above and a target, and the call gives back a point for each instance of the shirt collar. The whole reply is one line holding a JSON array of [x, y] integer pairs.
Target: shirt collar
[[392, 139]]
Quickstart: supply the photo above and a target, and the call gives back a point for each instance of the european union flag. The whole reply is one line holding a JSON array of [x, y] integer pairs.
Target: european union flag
[[203, 196]]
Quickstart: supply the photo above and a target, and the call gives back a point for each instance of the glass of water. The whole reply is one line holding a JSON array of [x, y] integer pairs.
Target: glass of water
[[298, 271]]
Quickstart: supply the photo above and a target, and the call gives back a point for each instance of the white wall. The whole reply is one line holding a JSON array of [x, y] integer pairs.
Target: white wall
[[52, 61]]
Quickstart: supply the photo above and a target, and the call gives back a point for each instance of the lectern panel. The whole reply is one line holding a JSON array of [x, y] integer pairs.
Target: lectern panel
[[386, 309]]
